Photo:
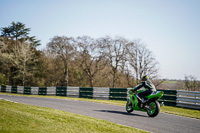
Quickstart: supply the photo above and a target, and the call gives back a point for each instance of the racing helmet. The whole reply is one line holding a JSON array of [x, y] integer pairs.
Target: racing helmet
[[145, 78]]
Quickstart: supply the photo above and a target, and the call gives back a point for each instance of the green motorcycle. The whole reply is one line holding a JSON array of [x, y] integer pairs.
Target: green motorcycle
[[152, 106]]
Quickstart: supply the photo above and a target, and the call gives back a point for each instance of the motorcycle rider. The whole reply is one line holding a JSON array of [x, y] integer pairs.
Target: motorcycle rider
[[148, 85]]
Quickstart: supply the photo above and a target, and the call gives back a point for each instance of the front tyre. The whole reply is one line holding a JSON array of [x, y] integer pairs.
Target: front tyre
[[129, 107], [154, 109]]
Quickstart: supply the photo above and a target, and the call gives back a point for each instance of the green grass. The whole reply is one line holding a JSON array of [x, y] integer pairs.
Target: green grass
[[181, 111], [165, 109], [16, 117]]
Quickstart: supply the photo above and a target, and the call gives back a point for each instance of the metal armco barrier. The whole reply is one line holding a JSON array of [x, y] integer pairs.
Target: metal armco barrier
[[61, 91], [169, 97], [27, 90], [8, 89], [86, 92], [186, 99], [101, 93], [20, 89], [51, 91], [3, 88], [118, 94], [42, 91], [14, 89], [73, 92]]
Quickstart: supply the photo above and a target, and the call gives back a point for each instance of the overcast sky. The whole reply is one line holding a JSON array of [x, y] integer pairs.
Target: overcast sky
[[169, 28]]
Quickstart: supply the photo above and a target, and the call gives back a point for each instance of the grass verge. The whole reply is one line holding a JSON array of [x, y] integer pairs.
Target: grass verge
[[16, 117], [181, 111], [165, 109]]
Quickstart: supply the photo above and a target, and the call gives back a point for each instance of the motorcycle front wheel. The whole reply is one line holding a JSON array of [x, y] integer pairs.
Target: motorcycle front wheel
[[154, 109], [129, 107]]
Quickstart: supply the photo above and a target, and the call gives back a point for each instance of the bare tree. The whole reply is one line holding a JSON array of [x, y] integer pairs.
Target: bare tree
[[129, 77], [25, 55], [21, 58], [91, 60], [2, 62], [65, 48], [114, 51], [54, 68], [191, 83], [140, 61]]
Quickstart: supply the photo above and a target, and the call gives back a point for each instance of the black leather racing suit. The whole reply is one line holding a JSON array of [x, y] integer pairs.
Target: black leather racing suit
[[148, 85]]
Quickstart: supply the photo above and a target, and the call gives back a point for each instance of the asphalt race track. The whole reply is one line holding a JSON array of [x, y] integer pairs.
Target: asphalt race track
[[163, 123]]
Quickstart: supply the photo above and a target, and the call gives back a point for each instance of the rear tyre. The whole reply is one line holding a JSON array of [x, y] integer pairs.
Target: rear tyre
[[129, 107], [154, 109]]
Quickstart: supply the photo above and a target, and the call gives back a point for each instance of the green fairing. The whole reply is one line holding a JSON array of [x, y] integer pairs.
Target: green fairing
[[158, 94], [135, 103]]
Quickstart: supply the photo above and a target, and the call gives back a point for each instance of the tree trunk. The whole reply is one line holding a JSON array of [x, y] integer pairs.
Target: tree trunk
[[66, 75], [91, 81], [114, 79], [23, 73]]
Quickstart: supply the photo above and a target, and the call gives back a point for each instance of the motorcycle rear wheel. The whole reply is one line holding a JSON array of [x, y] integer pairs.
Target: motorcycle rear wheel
[[154, 109]]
